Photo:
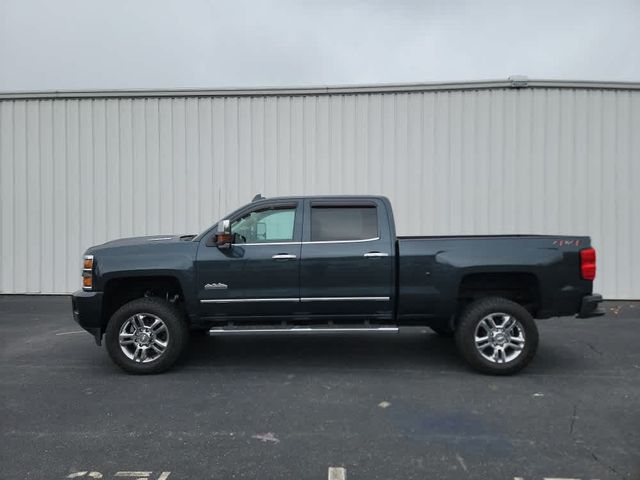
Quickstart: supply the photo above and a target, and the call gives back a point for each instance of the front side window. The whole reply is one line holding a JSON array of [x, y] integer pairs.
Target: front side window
[[274, 224], [343, 223]]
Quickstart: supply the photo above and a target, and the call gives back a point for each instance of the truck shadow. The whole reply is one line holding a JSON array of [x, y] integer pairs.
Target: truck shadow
[[352, 351], [419, 349]]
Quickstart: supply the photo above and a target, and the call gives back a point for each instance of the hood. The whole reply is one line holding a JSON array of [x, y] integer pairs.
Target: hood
[[140, 241]]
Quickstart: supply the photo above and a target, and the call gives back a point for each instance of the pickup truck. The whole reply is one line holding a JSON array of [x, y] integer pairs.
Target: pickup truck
[[330, 264]]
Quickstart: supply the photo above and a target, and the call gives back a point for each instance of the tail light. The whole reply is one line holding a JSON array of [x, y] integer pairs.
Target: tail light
[[588, 263]]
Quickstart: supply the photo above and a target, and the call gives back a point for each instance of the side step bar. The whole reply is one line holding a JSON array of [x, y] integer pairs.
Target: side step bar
[[233, 330]]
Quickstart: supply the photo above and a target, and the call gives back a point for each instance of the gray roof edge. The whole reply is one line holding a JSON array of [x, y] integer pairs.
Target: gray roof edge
[[512, 82]]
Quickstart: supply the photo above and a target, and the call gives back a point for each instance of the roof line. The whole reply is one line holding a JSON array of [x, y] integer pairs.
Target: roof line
[[511, 82]]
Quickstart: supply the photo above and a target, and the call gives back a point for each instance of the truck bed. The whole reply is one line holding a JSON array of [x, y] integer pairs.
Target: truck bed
[[433, 268]]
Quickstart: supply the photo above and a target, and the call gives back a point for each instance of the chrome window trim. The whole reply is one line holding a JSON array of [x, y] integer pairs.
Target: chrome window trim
[[309, 242], [373, 239], [265, 243]]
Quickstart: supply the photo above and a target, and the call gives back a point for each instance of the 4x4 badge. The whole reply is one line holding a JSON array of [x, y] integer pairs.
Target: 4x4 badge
[[213, 286]]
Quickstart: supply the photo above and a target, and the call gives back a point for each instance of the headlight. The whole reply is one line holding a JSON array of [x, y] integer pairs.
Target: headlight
[[87, 272]]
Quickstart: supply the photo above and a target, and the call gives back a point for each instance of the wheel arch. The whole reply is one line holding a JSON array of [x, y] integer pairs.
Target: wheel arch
[[121, 290], [522, 287]]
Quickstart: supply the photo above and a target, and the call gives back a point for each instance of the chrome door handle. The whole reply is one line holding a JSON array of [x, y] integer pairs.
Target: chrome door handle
[[283, 256], [376, 254]]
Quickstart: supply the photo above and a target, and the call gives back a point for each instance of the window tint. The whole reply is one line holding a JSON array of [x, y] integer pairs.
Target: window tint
[[268, 225], [343, 223]]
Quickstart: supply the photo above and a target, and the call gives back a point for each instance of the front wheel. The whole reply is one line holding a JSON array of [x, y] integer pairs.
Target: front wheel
[[146, 335], [496, 336]]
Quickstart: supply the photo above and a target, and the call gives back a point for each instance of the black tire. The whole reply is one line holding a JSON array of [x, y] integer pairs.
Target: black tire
[[177, 335], [466, 331], [443, 331]]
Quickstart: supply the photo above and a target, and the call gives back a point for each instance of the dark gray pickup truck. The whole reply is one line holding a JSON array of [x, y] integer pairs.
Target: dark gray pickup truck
[[330, 264]]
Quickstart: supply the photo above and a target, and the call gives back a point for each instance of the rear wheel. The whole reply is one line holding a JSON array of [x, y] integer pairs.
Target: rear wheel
[[497, 336], [146, 335]]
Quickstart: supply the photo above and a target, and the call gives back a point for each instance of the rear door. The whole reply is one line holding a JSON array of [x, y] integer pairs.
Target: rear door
[[346, 267]]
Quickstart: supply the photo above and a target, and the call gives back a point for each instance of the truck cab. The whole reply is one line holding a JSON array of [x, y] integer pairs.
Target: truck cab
[[304, 259]]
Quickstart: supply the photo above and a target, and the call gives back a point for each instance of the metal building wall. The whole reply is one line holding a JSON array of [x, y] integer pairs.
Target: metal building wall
[[80, 171]]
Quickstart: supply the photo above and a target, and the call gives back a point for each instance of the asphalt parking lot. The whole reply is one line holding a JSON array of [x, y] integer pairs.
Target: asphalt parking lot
[[398, 406]]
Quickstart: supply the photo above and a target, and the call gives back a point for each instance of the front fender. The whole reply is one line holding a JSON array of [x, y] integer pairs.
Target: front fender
[[167, 260]]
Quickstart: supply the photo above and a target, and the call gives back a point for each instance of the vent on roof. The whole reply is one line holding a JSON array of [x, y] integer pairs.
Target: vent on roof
[[518, 81]]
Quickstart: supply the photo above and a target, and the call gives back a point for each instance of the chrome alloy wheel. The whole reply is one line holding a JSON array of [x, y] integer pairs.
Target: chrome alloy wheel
[[499, 338], [143, 337]]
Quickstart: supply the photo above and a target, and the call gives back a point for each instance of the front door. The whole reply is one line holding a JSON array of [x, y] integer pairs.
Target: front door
[[259, 274], [346, 270]]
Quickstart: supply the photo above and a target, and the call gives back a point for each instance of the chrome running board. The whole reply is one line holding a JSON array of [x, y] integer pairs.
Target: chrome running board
[[298, 329]]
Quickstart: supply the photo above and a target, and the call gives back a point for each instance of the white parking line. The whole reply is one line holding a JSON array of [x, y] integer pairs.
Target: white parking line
[[133, 475], [69, 333], [137, 475], [337, 473], [461, 462]]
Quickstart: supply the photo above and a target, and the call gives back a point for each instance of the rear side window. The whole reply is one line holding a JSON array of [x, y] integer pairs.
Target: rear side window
[[343, 223]]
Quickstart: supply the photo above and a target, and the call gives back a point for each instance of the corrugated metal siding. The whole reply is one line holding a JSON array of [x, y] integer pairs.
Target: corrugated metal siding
[[77, 172]]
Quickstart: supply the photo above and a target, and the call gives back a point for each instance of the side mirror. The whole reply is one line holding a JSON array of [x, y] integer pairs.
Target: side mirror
[[223, 238], [224, 227]]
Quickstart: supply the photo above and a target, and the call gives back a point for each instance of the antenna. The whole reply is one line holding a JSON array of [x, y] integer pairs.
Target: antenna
[[258, 197]]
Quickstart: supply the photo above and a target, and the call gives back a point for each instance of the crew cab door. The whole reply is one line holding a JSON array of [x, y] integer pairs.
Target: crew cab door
[[259, 274], [346, 269]]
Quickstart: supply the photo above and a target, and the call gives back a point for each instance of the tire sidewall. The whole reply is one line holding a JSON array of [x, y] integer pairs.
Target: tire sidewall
[[465, 335], [172, 318]]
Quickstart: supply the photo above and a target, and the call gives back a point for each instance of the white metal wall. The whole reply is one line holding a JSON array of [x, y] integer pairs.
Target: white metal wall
[[78, 172]]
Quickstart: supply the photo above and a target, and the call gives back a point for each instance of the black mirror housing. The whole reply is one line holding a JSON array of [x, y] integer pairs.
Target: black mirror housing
[[223, 240]]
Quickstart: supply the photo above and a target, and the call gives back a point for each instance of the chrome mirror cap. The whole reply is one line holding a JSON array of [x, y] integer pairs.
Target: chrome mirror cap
[[224, 227]]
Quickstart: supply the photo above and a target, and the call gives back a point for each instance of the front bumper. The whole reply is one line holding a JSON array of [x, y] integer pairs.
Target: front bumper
[[591, 307], [87, 312]]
